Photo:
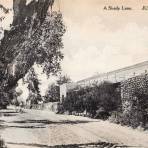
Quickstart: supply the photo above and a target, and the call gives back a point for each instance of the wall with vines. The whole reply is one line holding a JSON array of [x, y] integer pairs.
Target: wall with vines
[[134, 95]]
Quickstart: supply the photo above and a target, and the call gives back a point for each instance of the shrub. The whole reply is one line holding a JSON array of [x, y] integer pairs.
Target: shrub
[[4, 100], [135, 101], [116, 117], [91, 99], [101, 113], [52, 94]]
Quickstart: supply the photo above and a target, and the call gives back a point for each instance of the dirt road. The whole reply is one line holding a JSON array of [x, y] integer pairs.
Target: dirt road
[[43, 129]]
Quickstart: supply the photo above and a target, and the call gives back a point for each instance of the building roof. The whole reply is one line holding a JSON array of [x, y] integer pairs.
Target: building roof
[[115, 71]]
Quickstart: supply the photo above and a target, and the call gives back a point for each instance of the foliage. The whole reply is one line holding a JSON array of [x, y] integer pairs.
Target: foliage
[[52, 93], [16, 93], [63, 79], [35, 98], [4, 101], [33, 86], [135, 101], [46, 42], [33, 82], [91, 99], [35, 36]]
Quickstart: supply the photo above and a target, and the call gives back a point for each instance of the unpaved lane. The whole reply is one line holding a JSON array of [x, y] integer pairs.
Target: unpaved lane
[[35, 129]]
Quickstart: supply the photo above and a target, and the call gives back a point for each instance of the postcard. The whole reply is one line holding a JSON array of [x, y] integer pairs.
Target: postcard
[[73, 73]]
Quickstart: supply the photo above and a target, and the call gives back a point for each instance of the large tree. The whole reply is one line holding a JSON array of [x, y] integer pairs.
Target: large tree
[[35, 36]]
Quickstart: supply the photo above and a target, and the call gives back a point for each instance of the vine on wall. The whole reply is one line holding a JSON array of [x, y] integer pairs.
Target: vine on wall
[[134, 95]]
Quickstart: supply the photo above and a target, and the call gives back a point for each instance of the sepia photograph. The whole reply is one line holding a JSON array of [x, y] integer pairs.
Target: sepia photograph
[[73, 74]]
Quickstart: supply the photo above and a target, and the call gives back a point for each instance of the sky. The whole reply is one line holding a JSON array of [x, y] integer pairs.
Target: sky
[[98, 40]]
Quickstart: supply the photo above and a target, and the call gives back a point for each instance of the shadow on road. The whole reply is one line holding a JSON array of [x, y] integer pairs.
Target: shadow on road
[[47, 122], [33, 127], [40, 123], [8, 113], [87, 145]]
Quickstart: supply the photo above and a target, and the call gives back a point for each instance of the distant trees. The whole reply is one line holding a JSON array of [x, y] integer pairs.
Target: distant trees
[[53, 93], [33, 87], [4, 100], [16, 94], [63, 79]]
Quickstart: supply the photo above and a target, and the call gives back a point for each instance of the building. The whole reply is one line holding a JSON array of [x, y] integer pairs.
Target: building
[[115, 76]]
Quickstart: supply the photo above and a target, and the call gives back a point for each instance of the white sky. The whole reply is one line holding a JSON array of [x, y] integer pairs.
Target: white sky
[[98, 41]]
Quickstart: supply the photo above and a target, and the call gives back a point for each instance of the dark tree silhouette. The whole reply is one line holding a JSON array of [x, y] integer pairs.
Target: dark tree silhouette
[[53, 93]]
